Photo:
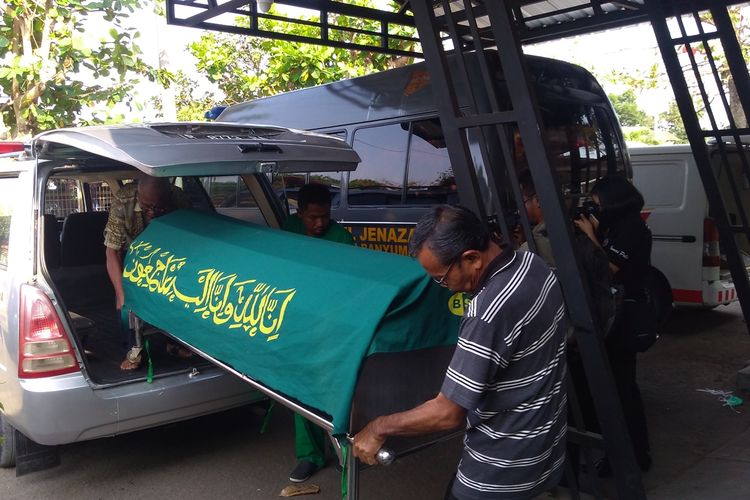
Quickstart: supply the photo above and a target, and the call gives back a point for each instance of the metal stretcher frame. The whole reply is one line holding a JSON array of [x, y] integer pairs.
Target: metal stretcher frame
[[387, 383]]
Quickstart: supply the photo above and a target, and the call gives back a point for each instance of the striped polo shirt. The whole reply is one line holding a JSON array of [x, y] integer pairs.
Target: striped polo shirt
[[508, 372]]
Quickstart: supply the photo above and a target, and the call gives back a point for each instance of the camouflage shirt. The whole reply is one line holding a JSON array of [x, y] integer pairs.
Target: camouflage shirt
[[127, 220]]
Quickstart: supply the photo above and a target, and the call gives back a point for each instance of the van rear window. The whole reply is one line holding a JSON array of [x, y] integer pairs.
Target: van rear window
[[662, 184], [8, 192]]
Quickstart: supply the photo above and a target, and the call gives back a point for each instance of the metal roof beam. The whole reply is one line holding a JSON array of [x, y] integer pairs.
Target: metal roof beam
[[210, 10], [630, 12]]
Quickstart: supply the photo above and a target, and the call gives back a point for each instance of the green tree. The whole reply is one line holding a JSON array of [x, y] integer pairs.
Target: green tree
[[246, 67], [674, 124], [739, 19], [50, 74], [191, 104], [641, 135], [628, 111]]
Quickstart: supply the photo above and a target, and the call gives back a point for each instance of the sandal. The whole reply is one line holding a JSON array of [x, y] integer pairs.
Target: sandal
[[179, 352], [133, 359]]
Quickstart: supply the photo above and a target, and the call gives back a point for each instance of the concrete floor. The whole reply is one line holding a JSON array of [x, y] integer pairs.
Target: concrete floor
[[701, 448]]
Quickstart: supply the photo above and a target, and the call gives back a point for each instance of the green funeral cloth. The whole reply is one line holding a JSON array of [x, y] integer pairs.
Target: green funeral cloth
[[295, 313]]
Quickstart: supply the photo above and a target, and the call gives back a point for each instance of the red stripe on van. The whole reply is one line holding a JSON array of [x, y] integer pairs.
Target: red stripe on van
[[687, 296], [645, 214]]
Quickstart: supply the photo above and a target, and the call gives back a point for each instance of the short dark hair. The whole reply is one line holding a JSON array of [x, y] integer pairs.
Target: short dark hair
[[617, 195], [448, 231], [315, 193]]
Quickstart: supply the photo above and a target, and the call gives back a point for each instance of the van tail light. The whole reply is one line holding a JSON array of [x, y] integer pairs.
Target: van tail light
[[711, 254], [11, 147], [44, 349]]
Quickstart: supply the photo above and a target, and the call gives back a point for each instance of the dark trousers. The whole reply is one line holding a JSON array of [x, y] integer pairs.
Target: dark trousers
[[622, 360], [624, 373]]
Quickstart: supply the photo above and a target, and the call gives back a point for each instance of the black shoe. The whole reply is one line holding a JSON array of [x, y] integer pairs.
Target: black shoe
[[303, 471]]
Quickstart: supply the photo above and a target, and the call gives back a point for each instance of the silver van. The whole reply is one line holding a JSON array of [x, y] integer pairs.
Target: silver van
[[61, 342]]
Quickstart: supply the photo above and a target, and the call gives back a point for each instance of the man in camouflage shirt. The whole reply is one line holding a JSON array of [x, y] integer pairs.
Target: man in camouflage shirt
[[133, 207]]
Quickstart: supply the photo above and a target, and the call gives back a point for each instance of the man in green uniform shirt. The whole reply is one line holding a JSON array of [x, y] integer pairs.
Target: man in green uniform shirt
[[313, 218]]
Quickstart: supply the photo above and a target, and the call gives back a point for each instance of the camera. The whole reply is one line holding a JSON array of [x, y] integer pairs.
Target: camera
[[586, 209], [512, 219]]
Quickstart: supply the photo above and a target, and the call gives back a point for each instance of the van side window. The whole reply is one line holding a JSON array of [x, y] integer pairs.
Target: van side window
[[8, 193], [229, 195], [583, 147], [63, 197], [430, 179], [587, 154], [651, 179], [101, 196], [379, 178], [332, 180], [286, 186]]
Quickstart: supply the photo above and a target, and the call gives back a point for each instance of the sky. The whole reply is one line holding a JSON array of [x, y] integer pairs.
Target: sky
[[605, 51]]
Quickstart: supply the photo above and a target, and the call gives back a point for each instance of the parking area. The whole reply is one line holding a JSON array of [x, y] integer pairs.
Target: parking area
[[701, 448]]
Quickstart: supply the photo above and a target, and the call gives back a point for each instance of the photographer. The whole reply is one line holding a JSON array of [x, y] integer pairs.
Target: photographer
[[626, 239]]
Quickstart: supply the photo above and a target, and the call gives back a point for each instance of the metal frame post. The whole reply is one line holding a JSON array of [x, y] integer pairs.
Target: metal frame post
[[697, 136]]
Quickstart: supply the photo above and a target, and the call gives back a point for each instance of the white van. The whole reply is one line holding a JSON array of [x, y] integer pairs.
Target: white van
[[685, 238], [61, 341]]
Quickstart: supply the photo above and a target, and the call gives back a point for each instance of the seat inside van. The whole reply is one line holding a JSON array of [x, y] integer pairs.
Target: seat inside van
[[75, 259], [81, 276], [82, 239]]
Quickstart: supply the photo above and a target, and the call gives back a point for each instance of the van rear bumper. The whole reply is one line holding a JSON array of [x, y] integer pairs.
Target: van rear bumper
[[714, 293], [718, 293], [66, 409]]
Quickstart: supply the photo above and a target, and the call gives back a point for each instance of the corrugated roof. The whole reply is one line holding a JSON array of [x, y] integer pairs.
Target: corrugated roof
[[557, 18]]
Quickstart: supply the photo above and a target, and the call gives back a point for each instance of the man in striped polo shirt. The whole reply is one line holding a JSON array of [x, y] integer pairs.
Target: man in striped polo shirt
[[507, 377]]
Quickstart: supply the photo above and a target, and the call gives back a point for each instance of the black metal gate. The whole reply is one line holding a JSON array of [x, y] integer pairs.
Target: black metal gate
[[490, 122], [689, 34]]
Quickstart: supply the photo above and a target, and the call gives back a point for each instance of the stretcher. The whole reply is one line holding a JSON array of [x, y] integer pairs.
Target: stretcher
[[338, 334]]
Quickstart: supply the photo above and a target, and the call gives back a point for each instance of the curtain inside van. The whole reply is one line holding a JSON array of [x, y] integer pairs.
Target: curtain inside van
[[296, 313]]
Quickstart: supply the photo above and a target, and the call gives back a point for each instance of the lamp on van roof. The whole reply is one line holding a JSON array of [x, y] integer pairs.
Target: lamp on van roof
[[264, 5]]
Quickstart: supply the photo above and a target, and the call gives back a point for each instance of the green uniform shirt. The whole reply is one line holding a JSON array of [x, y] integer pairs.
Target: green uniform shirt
[[335, 232]]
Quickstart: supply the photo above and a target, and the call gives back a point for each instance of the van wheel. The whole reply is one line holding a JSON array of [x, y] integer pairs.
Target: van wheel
[[660, 294], [7, 444]]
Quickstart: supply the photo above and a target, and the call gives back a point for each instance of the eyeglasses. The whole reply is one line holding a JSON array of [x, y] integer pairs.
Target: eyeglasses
[[441, 281], [153, 208]]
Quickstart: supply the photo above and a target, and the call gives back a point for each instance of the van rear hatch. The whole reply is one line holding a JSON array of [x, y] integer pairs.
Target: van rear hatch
[[185, 149]]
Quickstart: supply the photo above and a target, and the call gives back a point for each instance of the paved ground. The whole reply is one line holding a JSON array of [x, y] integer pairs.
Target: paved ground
[[701, 448]]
